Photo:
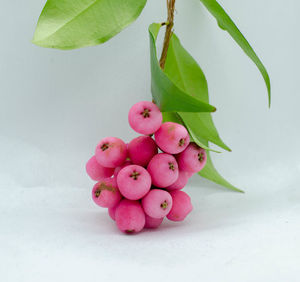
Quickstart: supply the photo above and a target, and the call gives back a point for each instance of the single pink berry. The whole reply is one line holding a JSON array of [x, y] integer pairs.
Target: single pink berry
[[96, 171], [112, 211], [181, 207], [130, 217], [106, 194], [157, 203], [181, 181], [141, 150], [192, 159], [117, 169], [145, 117], [134, 182], [111, 152], [163, 169], [172, 138], [153, 222]]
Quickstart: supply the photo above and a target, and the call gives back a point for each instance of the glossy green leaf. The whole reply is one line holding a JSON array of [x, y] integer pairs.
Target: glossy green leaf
[[225, 23], [168, 96], [187, 74], [70, 24]]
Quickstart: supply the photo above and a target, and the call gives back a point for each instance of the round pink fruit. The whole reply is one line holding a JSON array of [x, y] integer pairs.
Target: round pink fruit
[[157, 203], [163, 169], [181, 207], [181, 181], [141, 150], [96, 171], [145, 117], [134, 182], [117, 169], [112, 211], [192, 159], [153, 222], [106, 194], [111, 152], [129, 216], [172, 137]]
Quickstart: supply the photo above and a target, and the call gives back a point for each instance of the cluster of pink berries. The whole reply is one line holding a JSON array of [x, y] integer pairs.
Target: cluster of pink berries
[[138, 184]]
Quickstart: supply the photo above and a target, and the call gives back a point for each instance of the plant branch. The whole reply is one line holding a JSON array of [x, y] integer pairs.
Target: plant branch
[[169, 31]]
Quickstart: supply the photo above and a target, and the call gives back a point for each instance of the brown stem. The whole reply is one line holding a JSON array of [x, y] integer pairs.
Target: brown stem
[[169, 32]]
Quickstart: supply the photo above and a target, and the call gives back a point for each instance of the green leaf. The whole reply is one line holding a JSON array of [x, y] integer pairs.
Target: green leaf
[[168, 96], [187, 74], [70, 24], [225, 23], [209, 172]]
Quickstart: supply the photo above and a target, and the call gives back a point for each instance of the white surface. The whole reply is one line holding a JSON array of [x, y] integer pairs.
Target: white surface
[[55, 106]]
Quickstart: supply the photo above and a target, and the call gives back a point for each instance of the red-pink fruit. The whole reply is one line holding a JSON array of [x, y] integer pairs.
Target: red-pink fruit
[[145, 117], [163, 169], [130, 217], [153, 222], [181, 181], [112, 211], [157, 203], [192, 159], [181, 207], [141, 150], [96, 171], [111, 152], [172, 138], [134, 182], [117, 169], [106, 194]]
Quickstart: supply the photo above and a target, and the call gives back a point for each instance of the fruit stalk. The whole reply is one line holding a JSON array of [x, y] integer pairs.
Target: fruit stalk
[[168, 33]]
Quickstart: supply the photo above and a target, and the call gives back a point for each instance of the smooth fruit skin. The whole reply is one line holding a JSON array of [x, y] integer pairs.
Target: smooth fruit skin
[[134, 182], [112, 212], [111, 152], [163, 169], [96, 171], [157, 203], [181, 207], [117, 169], [145, 117], [172, 138], [106, 194], [181, 181], [141, 150], [153, 222], [129, 216], [192, 159]]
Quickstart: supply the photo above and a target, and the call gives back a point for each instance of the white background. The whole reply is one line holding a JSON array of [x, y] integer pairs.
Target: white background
[[55, 106]]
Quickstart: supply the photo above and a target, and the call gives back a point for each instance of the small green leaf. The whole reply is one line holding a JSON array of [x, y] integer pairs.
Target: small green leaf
[[187, 74], [70, 24], [225, 23], [168, 96], [209, 172]]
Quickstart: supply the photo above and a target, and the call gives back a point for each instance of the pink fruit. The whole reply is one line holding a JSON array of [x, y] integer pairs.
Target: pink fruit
[[157, 203], [141, 150], [181, 207], [117, 169], [134, 182], [96, 171], [111, 152], [172, 137], [181, 181], [130, 217], [145, 117], [163, 169], [111, 212], [106, 194], [192, 159], [153, 222]]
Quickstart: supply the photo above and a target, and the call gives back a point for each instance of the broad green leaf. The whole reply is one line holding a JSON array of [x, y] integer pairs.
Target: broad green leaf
[[172, 116], [209, 172], [70, 24], [225, 23], [168, 96], [187, 74]]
